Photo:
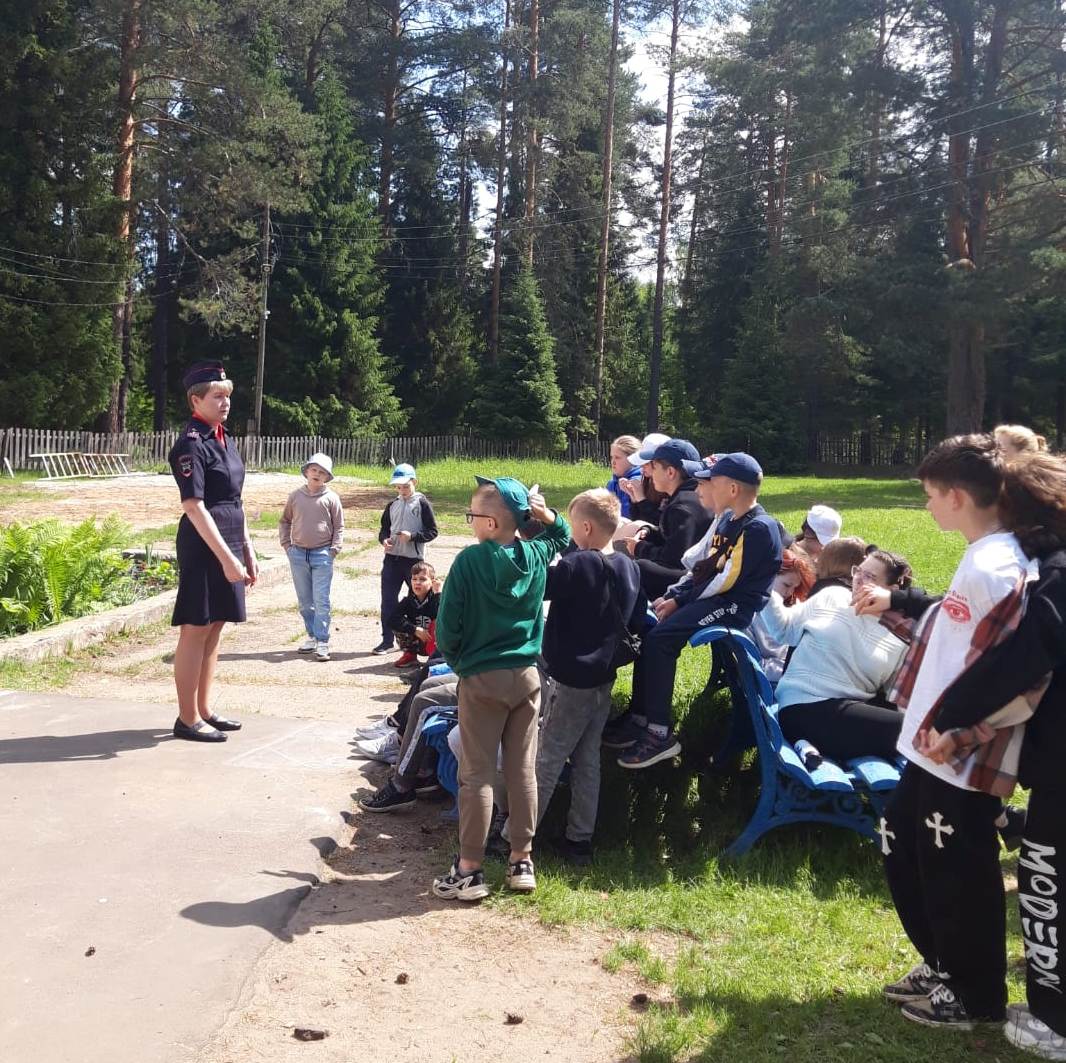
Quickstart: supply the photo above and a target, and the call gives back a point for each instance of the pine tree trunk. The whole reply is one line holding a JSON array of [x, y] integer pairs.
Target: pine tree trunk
[[390, 94], [605, 227], [161, 322], [501, 170], [656, 360], [122, 188], [464, 195], [694, 226], [532, 134]]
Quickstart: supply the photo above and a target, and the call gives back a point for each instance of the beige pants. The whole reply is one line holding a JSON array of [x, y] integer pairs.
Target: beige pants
[[497, 708]]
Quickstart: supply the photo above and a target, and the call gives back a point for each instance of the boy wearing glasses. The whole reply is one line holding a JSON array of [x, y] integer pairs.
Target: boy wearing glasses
[[489, 629]]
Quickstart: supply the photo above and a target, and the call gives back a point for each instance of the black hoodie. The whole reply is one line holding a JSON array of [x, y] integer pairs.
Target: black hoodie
[[682, 523], [1037, 647]]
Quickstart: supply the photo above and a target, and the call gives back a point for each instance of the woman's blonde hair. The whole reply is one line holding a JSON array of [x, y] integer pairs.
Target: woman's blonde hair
[[627, 444], [1017, 439], [1032, 503], [838, 557], [200, 390]]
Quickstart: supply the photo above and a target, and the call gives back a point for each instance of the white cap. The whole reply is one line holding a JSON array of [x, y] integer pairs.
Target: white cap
[[649, 442], [825, 522], [402, 474], [323, 461]]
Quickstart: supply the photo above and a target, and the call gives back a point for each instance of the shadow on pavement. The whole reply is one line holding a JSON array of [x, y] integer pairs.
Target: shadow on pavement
[[100, 745]]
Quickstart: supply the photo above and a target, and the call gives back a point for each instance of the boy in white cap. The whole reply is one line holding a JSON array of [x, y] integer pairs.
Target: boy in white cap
[[407, 524], [820, 527], [311, 530]]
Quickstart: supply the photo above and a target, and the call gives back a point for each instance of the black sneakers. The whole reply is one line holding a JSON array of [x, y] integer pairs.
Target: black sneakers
[[918, 982], [461, 885], [520, 877], [940, 1008], [388, 799]]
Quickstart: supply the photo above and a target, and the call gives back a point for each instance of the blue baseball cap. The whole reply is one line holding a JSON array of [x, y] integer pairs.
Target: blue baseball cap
[[513, 492], [403, 474], [737, 466], [678, 452]]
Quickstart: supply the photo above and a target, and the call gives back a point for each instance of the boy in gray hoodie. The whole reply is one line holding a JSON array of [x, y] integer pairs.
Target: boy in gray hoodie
[[407, 524]]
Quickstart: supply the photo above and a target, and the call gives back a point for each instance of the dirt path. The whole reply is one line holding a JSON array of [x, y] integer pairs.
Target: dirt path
[[373, 918]]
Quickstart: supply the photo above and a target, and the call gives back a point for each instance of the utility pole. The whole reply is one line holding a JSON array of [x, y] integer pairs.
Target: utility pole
[[264, 266]]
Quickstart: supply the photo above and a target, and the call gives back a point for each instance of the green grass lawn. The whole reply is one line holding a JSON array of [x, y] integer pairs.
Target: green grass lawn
[[782, 953]]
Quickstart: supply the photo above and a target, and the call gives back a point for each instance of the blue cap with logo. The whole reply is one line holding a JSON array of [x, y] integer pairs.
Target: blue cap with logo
[[737, 466], [514, 493], [678, 452], [402, 474]]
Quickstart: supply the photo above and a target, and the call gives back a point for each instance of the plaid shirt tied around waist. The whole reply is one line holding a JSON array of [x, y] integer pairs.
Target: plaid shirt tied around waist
[[995, 760]]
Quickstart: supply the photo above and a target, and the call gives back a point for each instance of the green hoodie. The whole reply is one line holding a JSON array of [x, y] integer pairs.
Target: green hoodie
[[491, 612]]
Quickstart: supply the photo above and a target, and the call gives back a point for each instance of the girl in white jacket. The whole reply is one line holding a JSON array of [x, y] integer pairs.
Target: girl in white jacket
[[841, 661]]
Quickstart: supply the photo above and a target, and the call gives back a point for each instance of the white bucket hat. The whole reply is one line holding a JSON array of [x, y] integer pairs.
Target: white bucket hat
[[323, 461]]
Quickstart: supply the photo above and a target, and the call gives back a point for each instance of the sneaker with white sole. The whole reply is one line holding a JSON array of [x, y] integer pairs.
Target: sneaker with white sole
[[459, 885], [321, 651], [386, 748], [382, 648], [1027, 1032], [520, 877], [374, 730], [389, 798], [309, 645], [918, 982], [940, 1008], [650, 749]]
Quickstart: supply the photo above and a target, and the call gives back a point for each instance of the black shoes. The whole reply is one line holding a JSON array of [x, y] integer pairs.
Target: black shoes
[[220, 723], [388, 799], [201, 732]]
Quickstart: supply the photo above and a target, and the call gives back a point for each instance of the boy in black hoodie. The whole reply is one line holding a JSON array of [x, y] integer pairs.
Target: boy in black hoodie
[[414, 619], [589, 589], [682, 520]]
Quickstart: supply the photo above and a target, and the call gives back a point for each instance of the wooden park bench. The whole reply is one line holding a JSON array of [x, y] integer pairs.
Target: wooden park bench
[[74, 464], [852, 795]]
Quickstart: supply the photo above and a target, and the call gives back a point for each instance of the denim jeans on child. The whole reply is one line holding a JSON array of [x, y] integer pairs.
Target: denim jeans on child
[[312, 574]]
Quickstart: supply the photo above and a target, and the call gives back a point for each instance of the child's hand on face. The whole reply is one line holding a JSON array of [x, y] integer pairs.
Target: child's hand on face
[[437, 585]]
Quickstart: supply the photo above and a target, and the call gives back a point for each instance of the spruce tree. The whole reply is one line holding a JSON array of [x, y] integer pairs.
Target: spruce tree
[[519, 397]]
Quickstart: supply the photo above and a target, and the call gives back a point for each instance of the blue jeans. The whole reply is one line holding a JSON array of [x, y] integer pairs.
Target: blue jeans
[[312, 574]]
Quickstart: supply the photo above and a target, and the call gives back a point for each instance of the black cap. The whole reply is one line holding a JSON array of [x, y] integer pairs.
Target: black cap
[[203, 373]]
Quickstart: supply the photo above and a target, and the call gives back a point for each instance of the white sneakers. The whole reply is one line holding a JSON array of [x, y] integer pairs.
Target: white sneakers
[[309, 645], [321, 651], [386, 748]]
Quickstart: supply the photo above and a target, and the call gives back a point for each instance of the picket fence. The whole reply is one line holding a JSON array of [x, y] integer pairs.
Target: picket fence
[[149, 450]]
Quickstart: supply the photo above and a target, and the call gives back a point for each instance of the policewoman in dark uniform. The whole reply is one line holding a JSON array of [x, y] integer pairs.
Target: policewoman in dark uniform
[[215, 557]]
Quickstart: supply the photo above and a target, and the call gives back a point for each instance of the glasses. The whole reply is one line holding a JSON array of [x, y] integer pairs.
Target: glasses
[[862, 575], [470, 516]]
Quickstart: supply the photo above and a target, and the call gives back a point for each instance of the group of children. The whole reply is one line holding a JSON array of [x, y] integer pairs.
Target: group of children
[[974, 684], [311, 531]]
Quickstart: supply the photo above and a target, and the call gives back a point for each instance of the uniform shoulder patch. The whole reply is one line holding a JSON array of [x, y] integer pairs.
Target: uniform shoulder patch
[[185, 465]]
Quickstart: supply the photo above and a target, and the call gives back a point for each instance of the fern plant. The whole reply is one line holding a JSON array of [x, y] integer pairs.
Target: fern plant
[[49, 572]]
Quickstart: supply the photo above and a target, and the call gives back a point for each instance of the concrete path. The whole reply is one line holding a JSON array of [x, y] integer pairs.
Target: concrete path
[[141, 877]]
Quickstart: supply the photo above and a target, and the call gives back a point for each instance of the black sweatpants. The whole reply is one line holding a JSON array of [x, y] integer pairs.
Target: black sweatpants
[[1040, 904], [843, 728], [655, 578], [941, 852], [395, 573]]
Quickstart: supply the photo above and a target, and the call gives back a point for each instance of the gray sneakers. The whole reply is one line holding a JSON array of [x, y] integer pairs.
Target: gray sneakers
[[1026, 1031]]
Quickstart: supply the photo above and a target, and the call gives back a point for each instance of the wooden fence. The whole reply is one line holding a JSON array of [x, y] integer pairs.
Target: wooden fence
[[868, 448], [148, 450]]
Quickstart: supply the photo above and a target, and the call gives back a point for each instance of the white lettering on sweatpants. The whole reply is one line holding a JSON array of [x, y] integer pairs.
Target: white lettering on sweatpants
[[1040, 909]]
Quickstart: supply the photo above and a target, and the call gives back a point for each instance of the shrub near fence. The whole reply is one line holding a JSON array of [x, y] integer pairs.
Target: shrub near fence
[[150, 449]]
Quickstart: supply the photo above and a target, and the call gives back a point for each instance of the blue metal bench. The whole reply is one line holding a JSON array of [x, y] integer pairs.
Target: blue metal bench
[[851, 796]]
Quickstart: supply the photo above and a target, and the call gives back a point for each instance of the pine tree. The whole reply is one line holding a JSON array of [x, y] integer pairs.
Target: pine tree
[[325, 373], [519, 398]]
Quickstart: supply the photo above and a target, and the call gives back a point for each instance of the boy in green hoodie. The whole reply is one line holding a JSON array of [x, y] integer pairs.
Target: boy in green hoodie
[[489, 629]]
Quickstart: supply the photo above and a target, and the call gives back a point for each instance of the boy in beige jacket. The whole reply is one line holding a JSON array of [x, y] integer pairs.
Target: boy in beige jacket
[[311, 531]]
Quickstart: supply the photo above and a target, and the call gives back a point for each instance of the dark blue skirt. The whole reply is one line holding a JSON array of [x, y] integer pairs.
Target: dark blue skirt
[[205, 596]]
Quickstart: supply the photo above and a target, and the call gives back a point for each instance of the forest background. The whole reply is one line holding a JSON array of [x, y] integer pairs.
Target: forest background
[[464, 216]]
